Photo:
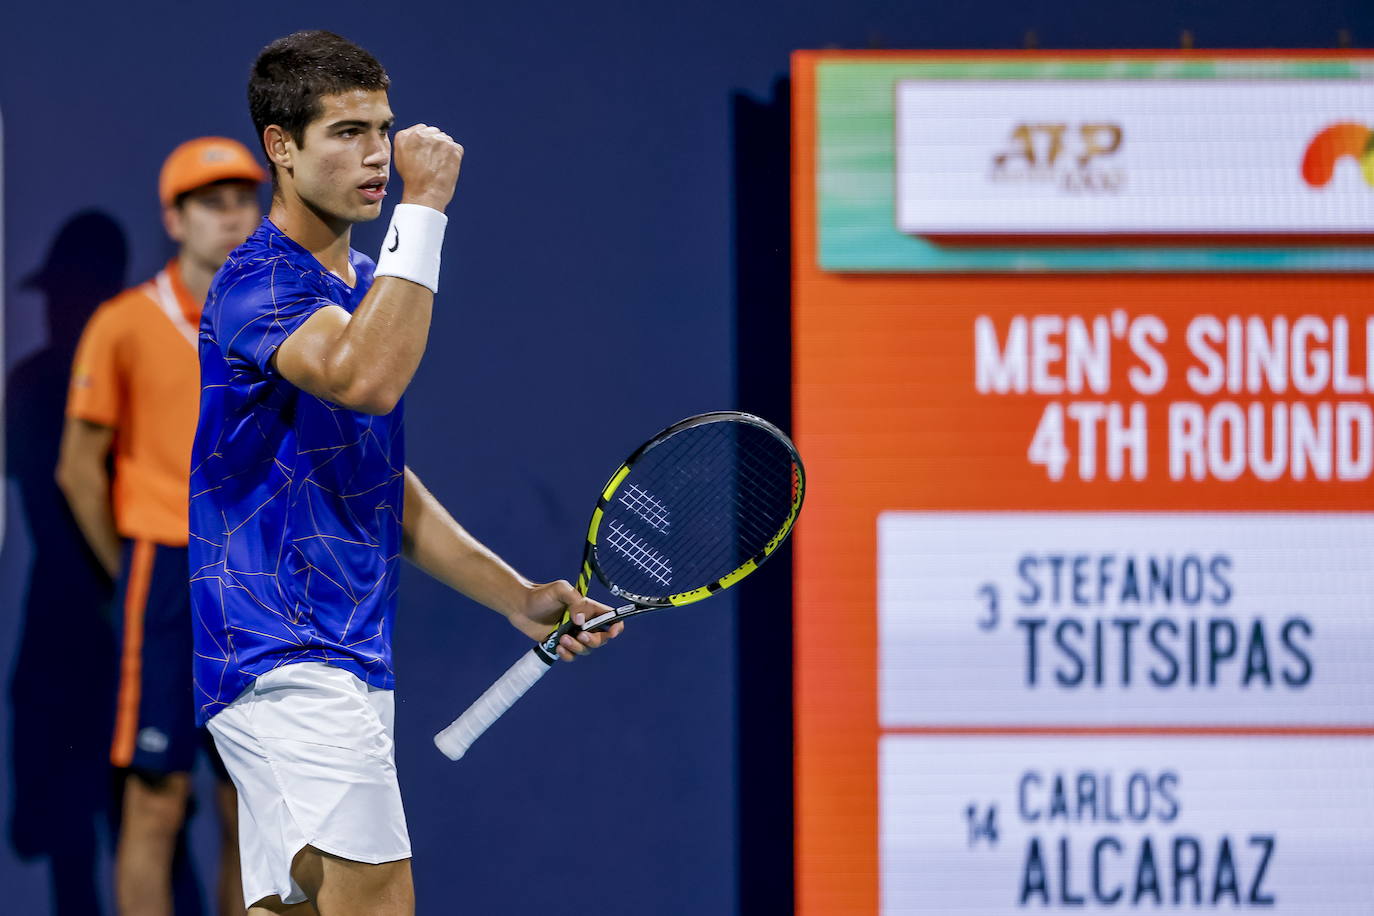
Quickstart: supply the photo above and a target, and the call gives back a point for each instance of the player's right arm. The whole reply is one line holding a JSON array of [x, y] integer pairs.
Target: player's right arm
[[365, 361], [82, 475], [434, 541]]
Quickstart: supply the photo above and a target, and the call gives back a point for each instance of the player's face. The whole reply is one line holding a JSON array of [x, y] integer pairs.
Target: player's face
[[342, 167], [214, 220]]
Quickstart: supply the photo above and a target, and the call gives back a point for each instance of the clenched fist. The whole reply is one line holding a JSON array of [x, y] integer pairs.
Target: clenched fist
[[428, 160]]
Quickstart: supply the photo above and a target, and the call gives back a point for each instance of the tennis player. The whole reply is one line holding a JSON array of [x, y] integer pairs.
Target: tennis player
[[134, 391], [301, 500]]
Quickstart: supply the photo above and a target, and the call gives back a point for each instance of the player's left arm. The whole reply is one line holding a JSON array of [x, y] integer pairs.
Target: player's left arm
[[435, 542]]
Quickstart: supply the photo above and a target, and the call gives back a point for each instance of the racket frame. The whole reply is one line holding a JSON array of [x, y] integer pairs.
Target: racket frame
[[643, 603], [548, 648]]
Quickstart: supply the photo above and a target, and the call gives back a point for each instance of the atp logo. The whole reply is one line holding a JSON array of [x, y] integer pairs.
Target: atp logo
[[1077, 158], [1331, 145]]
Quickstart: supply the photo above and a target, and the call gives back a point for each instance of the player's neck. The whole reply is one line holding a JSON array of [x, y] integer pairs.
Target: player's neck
[[324, 238]]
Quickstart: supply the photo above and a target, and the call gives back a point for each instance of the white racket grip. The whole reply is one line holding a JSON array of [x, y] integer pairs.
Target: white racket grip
[[455, 740]]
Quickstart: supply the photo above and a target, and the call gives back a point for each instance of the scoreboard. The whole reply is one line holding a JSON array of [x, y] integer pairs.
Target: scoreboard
[[1085, 588]]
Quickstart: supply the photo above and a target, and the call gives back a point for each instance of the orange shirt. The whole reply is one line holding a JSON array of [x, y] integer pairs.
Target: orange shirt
[[137, 370]]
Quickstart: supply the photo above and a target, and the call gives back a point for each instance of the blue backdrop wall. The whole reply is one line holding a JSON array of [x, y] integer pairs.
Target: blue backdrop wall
[[616, 259]]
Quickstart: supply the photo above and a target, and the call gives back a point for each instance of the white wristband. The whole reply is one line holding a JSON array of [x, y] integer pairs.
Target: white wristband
[[412, 245]]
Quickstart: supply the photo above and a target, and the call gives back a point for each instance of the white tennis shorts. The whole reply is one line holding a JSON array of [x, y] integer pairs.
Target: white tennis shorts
[[309, 748]]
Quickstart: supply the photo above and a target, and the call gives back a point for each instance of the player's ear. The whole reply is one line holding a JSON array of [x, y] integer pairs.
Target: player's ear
[[277, 145]]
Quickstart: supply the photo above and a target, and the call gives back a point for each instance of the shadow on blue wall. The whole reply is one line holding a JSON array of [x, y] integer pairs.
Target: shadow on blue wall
[[61, 711], [62, 690]]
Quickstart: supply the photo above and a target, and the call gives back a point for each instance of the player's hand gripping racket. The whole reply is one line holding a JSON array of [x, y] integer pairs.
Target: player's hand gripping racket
[[694, 510]]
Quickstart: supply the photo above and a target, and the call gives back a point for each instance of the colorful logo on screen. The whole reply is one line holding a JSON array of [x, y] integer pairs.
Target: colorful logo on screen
[[1333, 144]]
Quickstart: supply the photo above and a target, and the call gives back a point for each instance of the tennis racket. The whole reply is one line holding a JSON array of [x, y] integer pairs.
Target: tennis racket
[[692, 511]]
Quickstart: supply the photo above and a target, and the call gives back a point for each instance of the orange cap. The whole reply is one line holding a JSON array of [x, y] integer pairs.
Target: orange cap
[[203, 161]]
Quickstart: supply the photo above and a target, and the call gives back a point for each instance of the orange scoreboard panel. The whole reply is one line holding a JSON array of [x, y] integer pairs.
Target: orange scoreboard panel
[[1083, 353]]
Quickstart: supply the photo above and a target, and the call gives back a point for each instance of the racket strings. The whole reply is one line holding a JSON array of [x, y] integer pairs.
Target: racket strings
[[756, 525], [638, 552], [695, 507], [644, 505]]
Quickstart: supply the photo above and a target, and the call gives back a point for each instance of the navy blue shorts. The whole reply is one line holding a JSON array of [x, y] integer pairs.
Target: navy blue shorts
[[155, 722]]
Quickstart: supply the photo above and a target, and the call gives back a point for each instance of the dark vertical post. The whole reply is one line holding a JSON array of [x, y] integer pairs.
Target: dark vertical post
[[763, 373]]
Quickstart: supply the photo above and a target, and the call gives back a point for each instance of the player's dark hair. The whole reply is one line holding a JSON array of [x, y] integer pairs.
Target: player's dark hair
[[293, 74]]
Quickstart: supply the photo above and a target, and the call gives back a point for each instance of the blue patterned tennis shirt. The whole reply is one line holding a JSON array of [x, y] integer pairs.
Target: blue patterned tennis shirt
[[296, 503]]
